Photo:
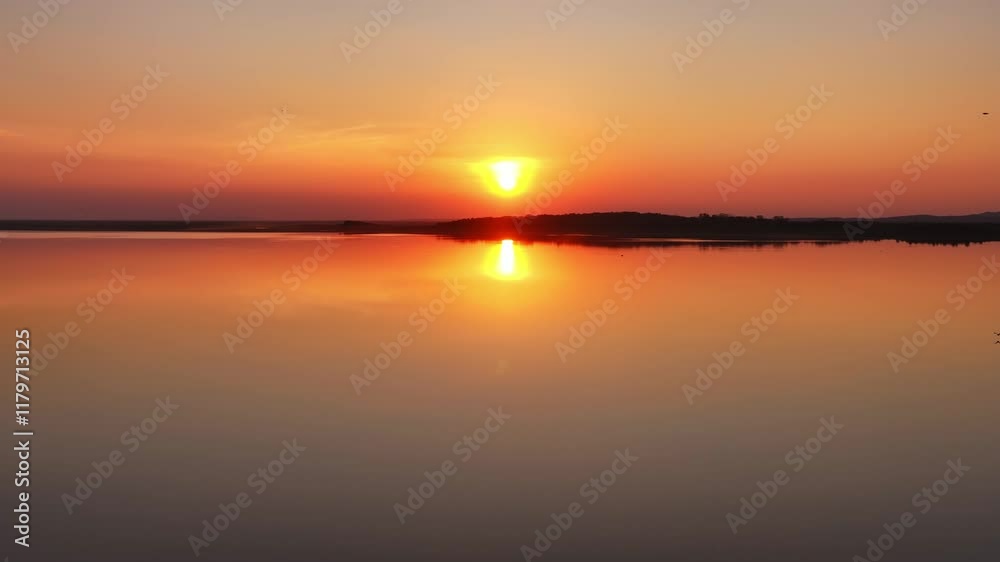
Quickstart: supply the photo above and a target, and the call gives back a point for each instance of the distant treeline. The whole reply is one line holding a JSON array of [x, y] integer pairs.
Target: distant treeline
[[610, 228]]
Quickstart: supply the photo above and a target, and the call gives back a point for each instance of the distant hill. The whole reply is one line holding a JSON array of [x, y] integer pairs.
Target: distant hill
[[980, 218]]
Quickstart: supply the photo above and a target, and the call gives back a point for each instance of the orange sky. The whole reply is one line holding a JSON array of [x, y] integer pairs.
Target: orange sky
[[346, 124]]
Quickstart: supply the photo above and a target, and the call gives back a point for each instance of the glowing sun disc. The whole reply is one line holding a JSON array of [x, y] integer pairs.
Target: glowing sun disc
[[507, 174]]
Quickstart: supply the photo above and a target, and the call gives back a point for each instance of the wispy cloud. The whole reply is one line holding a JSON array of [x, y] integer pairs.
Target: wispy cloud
[[367, 135]]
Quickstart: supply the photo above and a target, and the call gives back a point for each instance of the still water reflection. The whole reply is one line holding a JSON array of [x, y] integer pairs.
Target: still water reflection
[[441, 333]]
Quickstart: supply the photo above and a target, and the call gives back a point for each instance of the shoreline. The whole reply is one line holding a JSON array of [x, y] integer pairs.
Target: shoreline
[[602, 229]]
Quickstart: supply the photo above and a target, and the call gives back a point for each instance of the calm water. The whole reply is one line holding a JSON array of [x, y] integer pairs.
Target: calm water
[[483, 322]]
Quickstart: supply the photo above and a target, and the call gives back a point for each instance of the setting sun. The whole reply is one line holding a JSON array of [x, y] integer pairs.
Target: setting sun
[[507, 174]]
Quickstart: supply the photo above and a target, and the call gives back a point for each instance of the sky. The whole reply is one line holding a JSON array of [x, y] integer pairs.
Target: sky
[[609, 105]]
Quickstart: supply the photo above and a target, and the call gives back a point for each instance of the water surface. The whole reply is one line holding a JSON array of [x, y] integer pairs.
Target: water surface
[[495, 345]]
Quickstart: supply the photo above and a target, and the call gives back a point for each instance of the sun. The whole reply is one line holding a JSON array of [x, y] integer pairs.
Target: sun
[[507, 174]]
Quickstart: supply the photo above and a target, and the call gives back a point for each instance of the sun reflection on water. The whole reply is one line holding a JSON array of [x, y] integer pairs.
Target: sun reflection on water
[[506, 261], [507, 265]]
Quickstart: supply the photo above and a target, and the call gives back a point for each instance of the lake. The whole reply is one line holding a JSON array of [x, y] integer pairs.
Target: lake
[[259, 397]]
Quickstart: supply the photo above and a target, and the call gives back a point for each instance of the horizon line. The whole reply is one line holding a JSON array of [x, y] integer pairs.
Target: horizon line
[[256, 220]]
